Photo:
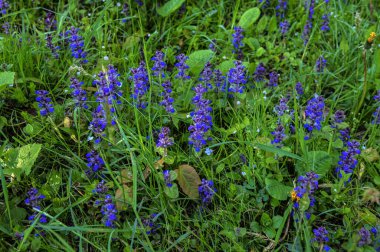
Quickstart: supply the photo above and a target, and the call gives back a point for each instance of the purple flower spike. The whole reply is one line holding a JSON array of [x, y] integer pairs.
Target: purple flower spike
[[314, 113], [141, 84], [207, 75], [325, 25], [159, 64], [164, 140], [365, 237], [279, 135], [321, 235], [168, 100], [237, 78], [78, 93], [220, 81], [98, 123], [206, 191], [260, 73], [44, 102], [347, 161], [182, 67], [94, 161], [320, 64], [284, 27], [299, 89], [49, 44], [273, 79], [4, 5], [76, 44], [167, 178], [202, 120], [109, 212]]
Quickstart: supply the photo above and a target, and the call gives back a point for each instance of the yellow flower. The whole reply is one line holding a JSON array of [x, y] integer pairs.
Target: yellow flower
[[294, 196], [371, 37]]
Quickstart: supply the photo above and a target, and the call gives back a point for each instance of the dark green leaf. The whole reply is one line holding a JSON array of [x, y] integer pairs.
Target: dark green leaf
[[276, 189], [169, 7]]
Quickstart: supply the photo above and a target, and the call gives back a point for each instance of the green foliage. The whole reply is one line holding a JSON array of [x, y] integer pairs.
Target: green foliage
[[169, 7], [19, 161], [249, 17]]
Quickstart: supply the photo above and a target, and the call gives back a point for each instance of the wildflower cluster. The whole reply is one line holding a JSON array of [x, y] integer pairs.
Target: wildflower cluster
[[108, 208], [79, 94], [76, 44], [149, 224], [320, 64], [273, 79], [94, 161], [201, 118], [164, 141], [34, 199], [159, 64], [306, 185], [237, 41], [44, 102], [207, 75], [314, 114], [98, 123], [206, 191], [347, 161], [167, 178], [376, 114], [4, 5], [309, 22], [141, 84], [167, 102], [260, 73], [220, 81], [182, 67], [50, 21], [108, 88], [237, 78], [299, 89], [321, 236]]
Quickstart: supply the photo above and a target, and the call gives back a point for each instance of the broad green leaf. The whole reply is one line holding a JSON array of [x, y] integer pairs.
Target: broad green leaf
[[260, 51], [188, 180], [304, 203], [270, 232], [198, 59], [6, 78], [370, 155], [344, 45], [273, 25], [21, 160], [169, 7], [172, 192], [123, 197], [276, 189], [262, 24], [277, 221], [318, 161], [265, 220], [54, 180], [249, 17]]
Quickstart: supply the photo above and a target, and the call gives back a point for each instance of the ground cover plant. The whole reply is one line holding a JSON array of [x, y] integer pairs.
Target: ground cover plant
[[180, 125]]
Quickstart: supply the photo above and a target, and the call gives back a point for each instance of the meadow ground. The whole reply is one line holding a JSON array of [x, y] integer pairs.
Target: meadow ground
[[175, 125]]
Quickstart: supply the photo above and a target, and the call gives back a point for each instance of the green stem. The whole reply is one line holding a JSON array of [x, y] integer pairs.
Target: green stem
[[364, 84]]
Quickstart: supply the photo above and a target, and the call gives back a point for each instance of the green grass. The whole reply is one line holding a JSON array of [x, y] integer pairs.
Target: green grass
[[252, 209]]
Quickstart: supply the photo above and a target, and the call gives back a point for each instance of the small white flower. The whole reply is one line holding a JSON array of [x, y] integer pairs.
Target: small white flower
[[243, 173], [188, 116], [234, 132], [78, 73], [208, 151], [224, 57], [258, 130], [103, 47], [238, 103], [89, 14], [265, 98], [265, 92], [106, 58], [90, 138], [118, 4]]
